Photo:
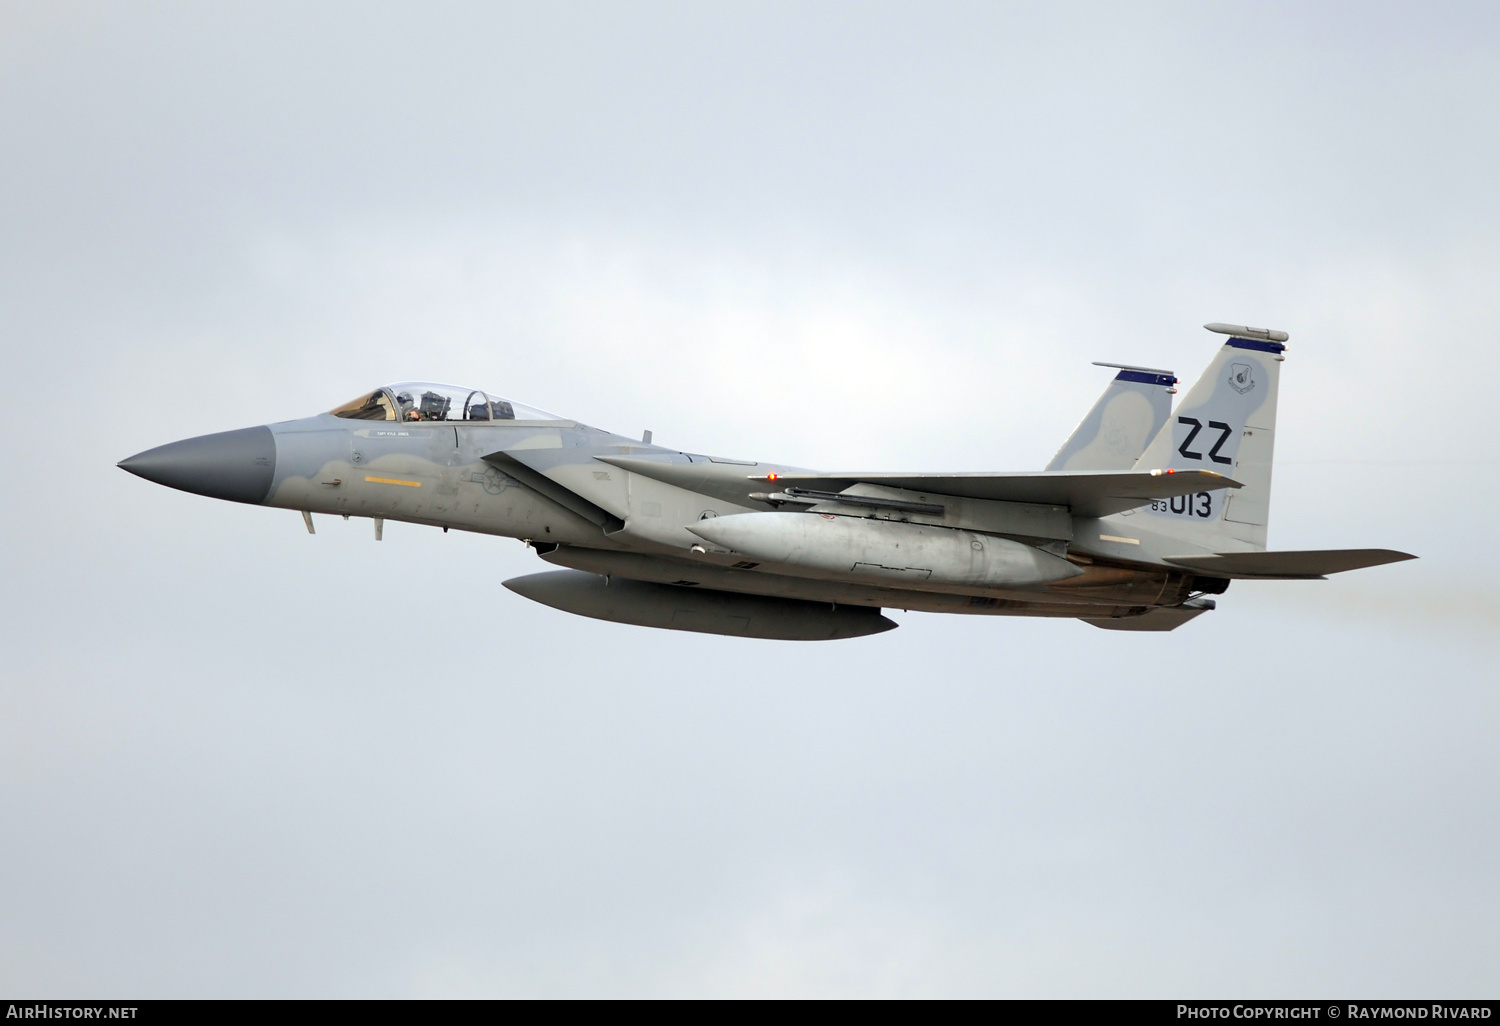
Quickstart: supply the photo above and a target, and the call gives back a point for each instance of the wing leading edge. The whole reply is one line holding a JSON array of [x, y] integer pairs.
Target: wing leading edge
[[1086, 493]]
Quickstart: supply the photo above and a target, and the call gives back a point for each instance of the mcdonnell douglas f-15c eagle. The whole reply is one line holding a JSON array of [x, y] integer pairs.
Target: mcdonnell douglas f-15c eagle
[[1138, 520]]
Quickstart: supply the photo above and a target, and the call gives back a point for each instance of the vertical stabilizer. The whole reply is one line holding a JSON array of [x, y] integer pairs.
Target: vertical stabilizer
[[1225, 423], [1127, 416]]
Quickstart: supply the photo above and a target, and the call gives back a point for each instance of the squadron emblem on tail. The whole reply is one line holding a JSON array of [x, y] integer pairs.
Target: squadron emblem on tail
[[1240, 378]]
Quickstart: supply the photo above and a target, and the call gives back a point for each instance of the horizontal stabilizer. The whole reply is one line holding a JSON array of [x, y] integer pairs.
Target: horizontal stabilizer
[[1309, 565], [1087, 493]]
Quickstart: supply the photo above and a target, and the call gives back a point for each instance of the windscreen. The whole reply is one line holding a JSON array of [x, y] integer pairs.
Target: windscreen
[[375, 405]]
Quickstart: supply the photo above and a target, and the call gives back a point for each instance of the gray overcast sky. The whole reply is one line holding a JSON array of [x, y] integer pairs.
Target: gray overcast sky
[[238, 760]]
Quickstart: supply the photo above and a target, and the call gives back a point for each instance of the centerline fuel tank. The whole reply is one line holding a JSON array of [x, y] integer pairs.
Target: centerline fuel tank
[[700, 610], [886, 551]]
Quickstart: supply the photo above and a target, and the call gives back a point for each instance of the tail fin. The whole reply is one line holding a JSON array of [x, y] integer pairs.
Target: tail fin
[[1127, 416], [1227, 423]]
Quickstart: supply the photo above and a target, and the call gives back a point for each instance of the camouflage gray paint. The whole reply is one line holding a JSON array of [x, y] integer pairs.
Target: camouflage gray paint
[[1122, 423], [1140, 517]]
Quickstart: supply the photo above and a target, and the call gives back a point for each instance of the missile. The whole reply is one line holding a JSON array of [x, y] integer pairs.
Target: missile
[[705, 611], [885, 551]]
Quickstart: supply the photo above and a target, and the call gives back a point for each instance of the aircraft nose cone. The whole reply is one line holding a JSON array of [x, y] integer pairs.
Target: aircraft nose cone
[[233, 465]]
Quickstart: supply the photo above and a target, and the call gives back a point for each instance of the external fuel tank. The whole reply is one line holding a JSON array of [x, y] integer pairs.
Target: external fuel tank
[[701, 610], [885, 551]]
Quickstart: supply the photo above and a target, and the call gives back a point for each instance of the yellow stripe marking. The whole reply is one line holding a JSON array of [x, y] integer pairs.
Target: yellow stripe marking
[[394, 480]]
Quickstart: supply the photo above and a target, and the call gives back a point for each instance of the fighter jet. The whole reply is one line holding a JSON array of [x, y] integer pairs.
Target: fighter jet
[[1141, 518]]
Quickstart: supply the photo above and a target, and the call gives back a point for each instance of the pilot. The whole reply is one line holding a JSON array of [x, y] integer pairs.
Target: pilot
[[408, 407]]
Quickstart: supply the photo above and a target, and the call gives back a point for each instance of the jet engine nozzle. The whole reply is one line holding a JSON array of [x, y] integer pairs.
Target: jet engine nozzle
[[233, 465], [890, 552]]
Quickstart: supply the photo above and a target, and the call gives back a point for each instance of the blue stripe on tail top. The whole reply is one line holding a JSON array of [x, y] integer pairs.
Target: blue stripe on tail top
[[1250, 343], [1165, 380]]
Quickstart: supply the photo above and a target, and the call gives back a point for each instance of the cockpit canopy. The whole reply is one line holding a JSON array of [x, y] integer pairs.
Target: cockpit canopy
[[427, 400]]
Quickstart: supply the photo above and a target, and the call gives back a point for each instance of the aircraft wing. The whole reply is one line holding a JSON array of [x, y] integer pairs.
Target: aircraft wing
[[1306, 565], [1086, 493]]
